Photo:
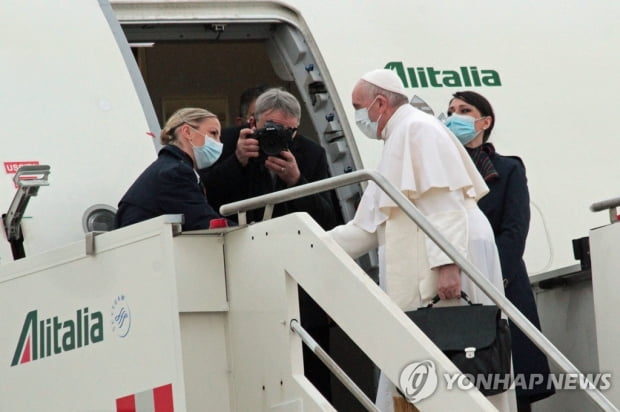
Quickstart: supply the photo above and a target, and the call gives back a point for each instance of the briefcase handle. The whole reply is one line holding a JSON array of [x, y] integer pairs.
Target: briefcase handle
[[437, 299]]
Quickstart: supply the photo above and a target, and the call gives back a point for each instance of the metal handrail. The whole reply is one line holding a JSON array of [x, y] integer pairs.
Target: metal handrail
[[470, 270], [605, 204], [609, 204], [295, 192], [333, 366]]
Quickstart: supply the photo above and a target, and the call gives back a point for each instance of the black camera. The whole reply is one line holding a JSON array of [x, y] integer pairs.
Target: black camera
[[273, 139]]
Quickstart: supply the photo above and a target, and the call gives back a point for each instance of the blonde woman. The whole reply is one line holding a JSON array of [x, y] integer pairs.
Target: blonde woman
[[171, 185]]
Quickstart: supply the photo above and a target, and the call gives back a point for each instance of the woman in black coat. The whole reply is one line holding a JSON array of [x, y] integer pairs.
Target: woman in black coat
[[507, 206], [171, 184]]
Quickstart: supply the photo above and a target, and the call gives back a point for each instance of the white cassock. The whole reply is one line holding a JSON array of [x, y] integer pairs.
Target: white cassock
[[431, 168]]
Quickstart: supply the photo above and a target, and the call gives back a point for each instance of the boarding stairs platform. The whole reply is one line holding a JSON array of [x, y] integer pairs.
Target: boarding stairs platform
[[149, 316]]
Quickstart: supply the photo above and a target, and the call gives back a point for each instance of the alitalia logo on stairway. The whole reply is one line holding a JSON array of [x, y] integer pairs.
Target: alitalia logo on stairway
[[463, 76], [42, 338]]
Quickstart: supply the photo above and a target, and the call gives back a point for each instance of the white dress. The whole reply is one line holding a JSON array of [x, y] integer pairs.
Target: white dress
[[429, 166]]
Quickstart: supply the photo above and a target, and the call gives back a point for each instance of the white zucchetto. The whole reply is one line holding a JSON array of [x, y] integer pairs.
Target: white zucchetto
[[385, 79]]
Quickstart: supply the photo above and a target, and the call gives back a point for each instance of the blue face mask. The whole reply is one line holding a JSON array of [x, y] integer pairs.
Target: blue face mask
[[208, 153], [463, 127]]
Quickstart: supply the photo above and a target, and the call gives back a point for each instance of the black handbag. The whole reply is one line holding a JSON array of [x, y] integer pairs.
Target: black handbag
[[474, 337]]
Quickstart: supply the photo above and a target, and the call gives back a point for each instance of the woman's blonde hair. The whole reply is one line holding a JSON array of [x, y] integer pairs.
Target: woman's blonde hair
[[186, 115]]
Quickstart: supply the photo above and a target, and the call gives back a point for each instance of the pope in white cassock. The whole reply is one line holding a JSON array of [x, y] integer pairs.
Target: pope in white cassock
[[427, 163]]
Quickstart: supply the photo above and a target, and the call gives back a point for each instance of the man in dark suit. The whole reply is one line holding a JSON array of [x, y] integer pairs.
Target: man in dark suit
[[247, 106], [243, 172]]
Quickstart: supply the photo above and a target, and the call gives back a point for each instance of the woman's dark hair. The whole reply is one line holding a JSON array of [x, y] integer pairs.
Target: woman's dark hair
[[480, 103]]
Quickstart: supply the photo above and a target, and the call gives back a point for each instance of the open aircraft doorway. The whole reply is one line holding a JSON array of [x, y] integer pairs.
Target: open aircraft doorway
[[211, 64]]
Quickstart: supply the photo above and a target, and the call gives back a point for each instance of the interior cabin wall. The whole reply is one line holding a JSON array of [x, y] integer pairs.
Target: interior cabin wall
[[208, 74]]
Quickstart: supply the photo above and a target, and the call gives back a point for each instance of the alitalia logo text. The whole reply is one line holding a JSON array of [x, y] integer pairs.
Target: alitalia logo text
[[464, 76], [41, 338]]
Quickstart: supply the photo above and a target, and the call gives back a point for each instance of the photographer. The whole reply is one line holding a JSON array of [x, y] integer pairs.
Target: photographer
[[245, 171]]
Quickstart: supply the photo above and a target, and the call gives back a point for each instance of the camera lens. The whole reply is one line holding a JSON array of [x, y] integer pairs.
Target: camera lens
[[273, 139]]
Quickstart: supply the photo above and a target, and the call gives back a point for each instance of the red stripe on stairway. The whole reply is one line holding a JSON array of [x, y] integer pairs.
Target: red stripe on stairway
[[126, 404], [163, 398]]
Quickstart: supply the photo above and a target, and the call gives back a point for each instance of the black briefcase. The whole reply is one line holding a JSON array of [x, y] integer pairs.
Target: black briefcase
[[474, 337]]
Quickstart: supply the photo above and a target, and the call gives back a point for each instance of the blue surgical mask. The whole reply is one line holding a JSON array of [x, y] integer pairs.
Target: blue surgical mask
[[208, 153], [463, 127], [368, 127]]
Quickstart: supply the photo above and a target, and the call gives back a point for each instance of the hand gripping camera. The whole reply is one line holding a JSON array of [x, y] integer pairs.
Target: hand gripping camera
[[273, 139]]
